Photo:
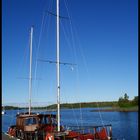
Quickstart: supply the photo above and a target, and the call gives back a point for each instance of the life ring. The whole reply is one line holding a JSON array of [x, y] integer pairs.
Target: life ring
[[49, 137], [12, 132]]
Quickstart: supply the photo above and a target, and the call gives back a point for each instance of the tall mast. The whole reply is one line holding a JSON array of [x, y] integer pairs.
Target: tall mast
[[30, 71], [58, 68]]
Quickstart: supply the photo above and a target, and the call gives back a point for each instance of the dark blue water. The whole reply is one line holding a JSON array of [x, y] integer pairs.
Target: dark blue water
[[124, 124]]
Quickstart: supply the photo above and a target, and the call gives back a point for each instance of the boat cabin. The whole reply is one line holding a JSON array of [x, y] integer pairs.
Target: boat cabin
[[28, 123]]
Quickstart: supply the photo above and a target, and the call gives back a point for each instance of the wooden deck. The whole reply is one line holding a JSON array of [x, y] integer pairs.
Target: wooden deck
[[6, 137]]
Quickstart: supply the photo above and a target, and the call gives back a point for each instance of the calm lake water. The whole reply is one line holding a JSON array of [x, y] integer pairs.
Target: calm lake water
[[124, 124]]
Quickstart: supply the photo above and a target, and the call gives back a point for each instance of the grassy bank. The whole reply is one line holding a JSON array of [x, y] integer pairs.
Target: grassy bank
[[117, 109]]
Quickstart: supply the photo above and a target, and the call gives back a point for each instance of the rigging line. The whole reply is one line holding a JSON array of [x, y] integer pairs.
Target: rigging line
[[42, 23], [74, 114], [69, 43], [77, 122], [83, 56], [35, 73], [78, 91], [71, 26], [77, 38], [49, 18], [87, 72], [100, 114], [40, 35], [72, 34], [67, 40], [71, 31], [81, 116], [24, 58], [69, 16], [81, 51], [84, 60], [26, 51], [66, 37], [41, 32]]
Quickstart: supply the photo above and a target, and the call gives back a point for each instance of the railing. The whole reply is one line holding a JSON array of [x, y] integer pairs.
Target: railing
[[93, 129], [41, 134]]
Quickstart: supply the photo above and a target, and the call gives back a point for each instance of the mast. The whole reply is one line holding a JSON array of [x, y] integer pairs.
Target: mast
[[30, 71], [58, 67]]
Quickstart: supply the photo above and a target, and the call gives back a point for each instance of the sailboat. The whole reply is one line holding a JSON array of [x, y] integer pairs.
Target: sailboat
[[30, 126]]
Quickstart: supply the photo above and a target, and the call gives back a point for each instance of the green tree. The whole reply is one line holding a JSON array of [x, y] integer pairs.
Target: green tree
[[135, 100], [124, 101], [126, 97], [121, 102]]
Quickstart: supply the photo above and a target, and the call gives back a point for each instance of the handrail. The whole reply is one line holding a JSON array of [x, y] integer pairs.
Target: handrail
[[96, 126]]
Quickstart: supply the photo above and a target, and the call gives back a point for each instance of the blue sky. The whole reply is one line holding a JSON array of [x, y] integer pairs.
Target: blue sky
[[101, 37]]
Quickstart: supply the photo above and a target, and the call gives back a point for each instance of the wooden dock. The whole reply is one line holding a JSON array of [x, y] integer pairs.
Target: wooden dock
[[6, 137]]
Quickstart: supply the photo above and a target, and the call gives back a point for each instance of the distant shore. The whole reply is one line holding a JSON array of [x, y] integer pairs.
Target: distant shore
[[117, 109], [98, 106]]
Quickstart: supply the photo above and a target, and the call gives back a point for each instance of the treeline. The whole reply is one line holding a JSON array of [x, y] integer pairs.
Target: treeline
[[125, 102], [84, 105], [70, 105], [10, 108], [122, 102]]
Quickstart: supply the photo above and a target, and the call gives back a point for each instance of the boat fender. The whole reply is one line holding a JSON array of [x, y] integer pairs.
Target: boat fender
[[49, 136]]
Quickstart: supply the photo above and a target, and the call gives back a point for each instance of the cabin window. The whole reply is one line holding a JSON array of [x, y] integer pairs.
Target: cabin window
[[49, 120], [43, 121], [30, 121], [54, 121]]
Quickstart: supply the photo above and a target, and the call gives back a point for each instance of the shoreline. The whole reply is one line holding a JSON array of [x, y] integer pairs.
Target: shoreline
[[117, 109]]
